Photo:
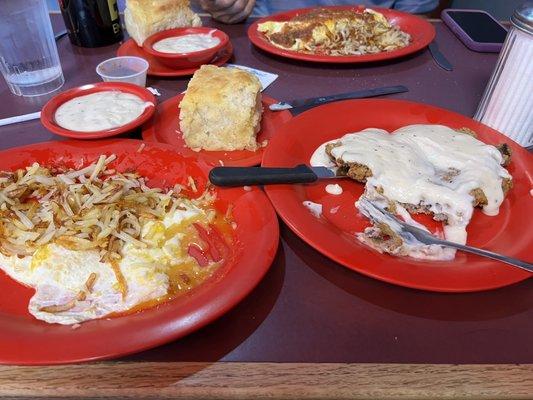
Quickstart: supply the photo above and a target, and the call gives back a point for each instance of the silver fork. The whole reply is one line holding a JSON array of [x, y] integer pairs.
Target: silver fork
[[427, 238]]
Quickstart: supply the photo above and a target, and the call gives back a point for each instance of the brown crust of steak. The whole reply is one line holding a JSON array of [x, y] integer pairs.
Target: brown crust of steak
[[503, 148], [506, 152], [358, 172], [479, 197], [507, 184], [468, 131], [423, 209], [383, 237]]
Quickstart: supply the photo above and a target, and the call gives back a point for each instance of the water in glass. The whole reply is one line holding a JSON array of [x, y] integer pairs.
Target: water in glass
[[29, 60]]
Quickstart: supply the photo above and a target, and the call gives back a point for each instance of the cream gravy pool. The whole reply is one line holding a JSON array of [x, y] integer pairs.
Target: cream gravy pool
[[186, 44], [430, 165], [100, 111]]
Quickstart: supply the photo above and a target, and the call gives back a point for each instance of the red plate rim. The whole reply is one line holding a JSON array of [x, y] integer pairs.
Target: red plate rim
[[50, 108], [425, 30], [27, 341], [166, 72], [360, 258], [149, 134]]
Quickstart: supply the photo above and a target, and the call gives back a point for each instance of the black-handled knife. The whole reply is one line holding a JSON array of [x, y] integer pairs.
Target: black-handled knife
[[250, 176], [360, 94], [439, 57]]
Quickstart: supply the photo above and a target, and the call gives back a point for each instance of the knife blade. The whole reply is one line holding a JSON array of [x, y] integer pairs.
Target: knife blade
[[439, 57], [59, 35], [251, 176], [315, 101]]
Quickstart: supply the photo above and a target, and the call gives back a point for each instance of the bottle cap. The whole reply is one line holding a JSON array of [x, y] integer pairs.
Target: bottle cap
[[523, 17]]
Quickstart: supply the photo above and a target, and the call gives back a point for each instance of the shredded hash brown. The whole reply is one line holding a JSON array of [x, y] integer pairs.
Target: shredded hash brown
[[93, 208]]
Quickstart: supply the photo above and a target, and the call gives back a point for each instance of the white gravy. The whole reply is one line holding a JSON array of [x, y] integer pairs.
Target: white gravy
[[409, 166], [186, 44], [314, 208], [100, 111], [334, 189], [410, 247]]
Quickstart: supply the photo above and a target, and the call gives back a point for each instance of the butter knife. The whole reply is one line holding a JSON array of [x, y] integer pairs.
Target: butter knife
[[439, 57], [315, 101], [250, 176]]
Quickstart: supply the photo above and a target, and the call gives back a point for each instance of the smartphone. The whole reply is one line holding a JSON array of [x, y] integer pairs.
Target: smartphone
[[477, 29]]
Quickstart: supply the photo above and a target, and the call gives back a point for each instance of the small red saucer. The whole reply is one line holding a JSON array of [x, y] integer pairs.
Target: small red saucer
[[130, 48], [49, 110]]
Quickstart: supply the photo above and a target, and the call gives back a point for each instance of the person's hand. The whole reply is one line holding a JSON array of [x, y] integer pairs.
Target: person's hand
[[228, 11]]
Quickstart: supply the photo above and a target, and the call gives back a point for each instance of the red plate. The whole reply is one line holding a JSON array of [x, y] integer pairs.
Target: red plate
[[421, 31], [50, 108], [156, 68], [508, 233], [164, 128], [25, 340]]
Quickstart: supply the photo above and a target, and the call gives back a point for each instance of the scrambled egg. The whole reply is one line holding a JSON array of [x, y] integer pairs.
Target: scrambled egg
[[73, 286], [271, 27]]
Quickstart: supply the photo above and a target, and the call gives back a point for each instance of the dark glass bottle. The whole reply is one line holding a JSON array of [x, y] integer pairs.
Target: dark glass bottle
[[92, 23]]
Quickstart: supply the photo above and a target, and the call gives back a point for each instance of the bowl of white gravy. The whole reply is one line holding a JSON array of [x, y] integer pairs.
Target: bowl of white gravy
[[98, 110], [186, 47]]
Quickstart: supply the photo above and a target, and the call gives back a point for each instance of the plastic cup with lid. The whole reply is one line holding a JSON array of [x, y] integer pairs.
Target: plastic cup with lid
[[124, 69]]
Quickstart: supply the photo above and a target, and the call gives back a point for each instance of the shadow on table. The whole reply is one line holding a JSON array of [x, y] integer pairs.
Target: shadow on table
[[400, 62], [214, 341], [478, 306]]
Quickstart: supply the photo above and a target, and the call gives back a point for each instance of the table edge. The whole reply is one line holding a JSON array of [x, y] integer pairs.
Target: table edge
[[238, 380]]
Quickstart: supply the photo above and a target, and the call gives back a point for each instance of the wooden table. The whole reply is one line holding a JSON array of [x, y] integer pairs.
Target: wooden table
[[313, 329]]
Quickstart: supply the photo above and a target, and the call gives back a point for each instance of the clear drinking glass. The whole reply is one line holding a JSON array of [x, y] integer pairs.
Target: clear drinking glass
[[28, 54]]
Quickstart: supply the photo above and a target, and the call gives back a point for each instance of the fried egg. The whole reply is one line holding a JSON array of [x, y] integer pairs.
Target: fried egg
[[73, 286]]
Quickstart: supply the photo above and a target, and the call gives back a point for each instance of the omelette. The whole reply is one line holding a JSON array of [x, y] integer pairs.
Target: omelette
[[336, 32], [96, 243]]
